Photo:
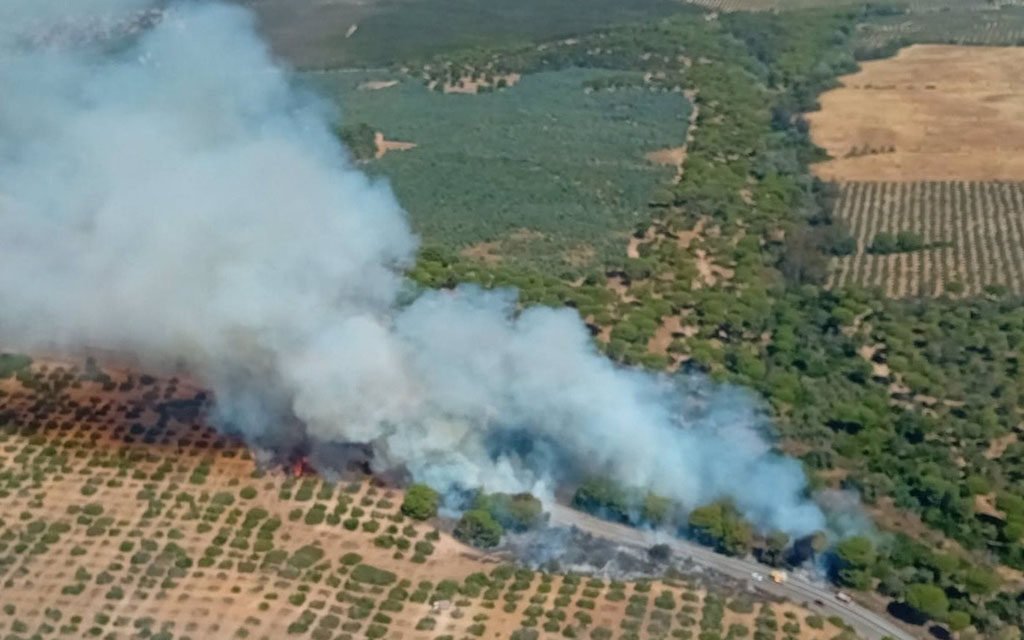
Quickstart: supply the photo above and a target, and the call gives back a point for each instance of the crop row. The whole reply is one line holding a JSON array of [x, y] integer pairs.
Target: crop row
[[783, 5], [1004, 27], [972, 233]]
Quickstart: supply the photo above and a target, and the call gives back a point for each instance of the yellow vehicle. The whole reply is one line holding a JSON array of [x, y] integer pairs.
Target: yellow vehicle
[[779, 577]]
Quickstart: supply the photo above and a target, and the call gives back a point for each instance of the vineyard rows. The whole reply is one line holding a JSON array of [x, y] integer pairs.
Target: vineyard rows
[[783, 5], [980, 226], [1005, 27]]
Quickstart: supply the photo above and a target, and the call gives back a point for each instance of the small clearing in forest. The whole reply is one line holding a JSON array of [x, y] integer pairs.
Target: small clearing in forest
[[384, 145]]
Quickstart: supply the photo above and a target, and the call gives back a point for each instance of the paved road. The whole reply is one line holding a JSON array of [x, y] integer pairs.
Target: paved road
[[867, 623]]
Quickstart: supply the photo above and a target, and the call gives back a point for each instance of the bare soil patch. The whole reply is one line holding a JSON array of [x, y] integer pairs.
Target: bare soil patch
[[676, 156], [672, 156], [932, 112], [620, 286], [710, 273], [384, 145], [377, 85], [998, 447], [486, 252], [671, 329], [492, 252], [878, 369]]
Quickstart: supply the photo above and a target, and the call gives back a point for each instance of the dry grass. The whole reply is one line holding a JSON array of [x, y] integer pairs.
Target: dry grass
[[932, 112]]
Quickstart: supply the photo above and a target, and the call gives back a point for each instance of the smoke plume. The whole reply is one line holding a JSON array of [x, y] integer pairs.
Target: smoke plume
[[177, 196]]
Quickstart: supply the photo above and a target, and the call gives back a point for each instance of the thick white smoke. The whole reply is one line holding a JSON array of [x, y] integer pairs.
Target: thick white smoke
[[181, 199]]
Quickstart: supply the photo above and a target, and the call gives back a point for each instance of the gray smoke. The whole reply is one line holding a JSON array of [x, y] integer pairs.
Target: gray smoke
[[178, 197]]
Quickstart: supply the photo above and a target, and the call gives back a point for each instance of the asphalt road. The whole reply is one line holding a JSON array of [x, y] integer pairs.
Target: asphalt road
[[866, 623]]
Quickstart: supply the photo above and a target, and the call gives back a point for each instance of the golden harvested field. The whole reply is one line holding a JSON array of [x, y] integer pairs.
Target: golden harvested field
[[931, 113], [979, 225], [122, 515]]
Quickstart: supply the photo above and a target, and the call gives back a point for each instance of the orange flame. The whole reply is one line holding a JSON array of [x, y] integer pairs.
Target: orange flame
[[301, 467]]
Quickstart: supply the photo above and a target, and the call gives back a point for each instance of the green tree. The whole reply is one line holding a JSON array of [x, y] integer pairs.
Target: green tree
[[720, 525], [514, 512], [980, 581], [476, 527], [958, 620], [884, 243], [420, 502], [656, 510], [774, 548], [706, 523], [599, 495], [909, 241], [856, 557], [360, 140], [929, 600]]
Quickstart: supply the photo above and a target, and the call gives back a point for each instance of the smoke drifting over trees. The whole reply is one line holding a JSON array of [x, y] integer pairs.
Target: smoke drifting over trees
[[177, 197]]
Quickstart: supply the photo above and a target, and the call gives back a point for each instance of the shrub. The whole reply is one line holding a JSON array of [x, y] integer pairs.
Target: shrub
[[665, 601], [741, 605], [314, 516], [350, 559], [372, 575], [306, 557], [420, 502], [514, 512], [478, 528]]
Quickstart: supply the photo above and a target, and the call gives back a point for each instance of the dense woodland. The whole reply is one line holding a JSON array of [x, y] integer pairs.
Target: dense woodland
[[913, 404]]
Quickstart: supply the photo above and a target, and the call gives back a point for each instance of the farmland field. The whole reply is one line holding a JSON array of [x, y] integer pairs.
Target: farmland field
[[794, 5], [1004, 27], [933, 112], [349, 33], [545, 169], [980, 226], [124, 515]]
